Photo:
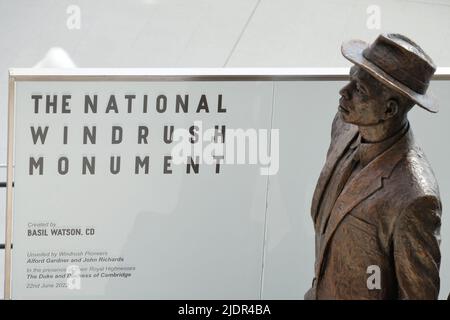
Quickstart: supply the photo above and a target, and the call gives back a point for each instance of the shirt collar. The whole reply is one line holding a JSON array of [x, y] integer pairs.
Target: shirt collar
[[369, 151]]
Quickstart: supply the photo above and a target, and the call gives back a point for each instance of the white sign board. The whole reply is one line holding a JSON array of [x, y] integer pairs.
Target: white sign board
[[103, 207], [100, 210]]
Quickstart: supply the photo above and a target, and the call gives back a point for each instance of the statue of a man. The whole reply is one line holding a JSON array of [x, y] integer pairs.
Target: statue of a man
[[376, 208]]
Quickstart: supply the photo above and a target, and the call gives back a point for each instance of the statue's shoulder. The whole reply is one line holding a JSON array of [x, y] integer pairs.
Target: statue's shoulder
[[416, 174]]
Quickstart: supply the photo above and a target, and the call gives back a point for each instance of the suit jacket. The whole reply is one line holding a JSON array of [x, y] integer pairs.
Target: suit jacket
[[384, 226]]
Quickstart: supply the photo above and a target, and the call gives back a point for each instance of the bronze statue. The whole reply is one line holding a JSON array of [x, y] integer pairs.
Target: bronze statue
[[376, 208]]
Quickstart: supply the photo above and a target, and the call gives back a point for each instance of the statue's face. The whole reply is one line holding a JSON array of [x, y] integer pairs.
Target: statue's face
[[363, 100]]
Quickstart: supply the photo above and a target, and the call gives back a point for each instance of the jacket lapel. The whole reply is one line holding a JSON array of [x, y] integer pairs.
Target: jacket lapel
[[337, 148], [361, 186]]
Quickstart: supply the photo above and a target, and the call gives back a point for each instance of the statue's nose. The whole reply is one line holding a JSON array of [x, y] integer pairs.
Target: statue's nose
[[344, 92]]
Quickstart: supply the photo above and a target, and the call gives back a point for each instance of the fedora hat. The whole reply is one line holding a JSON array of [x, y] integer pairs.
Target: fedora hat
[[397, 62]]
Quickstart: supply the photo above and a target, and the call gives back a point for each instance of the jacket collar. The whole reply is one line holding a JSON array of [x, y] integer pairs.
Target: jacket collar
[[336, 150], [369, 151]]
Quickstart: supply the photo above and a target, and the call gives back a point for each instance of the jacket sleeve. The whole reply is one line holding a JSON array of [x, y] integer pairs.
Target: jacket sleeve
[[417, 257]]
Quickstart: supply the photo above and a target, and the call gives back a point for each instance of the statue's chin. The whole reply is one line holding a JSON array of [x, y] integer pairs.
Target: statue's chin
[[345, 115], [346, 119]]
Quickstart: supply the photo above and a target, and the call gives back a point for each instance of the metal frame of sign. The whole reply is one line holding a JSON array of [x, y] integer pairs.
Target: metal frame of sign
[[155, 74]]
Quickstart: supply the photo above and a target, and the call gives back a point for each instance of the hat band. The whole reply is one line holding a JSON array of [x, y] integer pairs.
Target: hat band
[[378, 57]]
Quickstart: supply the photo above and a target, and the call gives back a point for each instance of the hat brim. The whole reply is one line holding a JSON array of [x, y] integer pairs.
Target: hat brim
[[353, 51]]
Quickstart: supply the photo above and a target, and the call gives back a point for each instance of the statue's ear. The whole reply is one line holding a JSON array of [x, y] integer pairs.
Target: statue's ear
[[391, 109]]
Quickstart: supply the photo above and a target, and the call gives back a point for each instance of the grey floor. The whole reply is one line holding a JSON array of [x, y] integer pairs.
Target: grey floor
[[206, 33]]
